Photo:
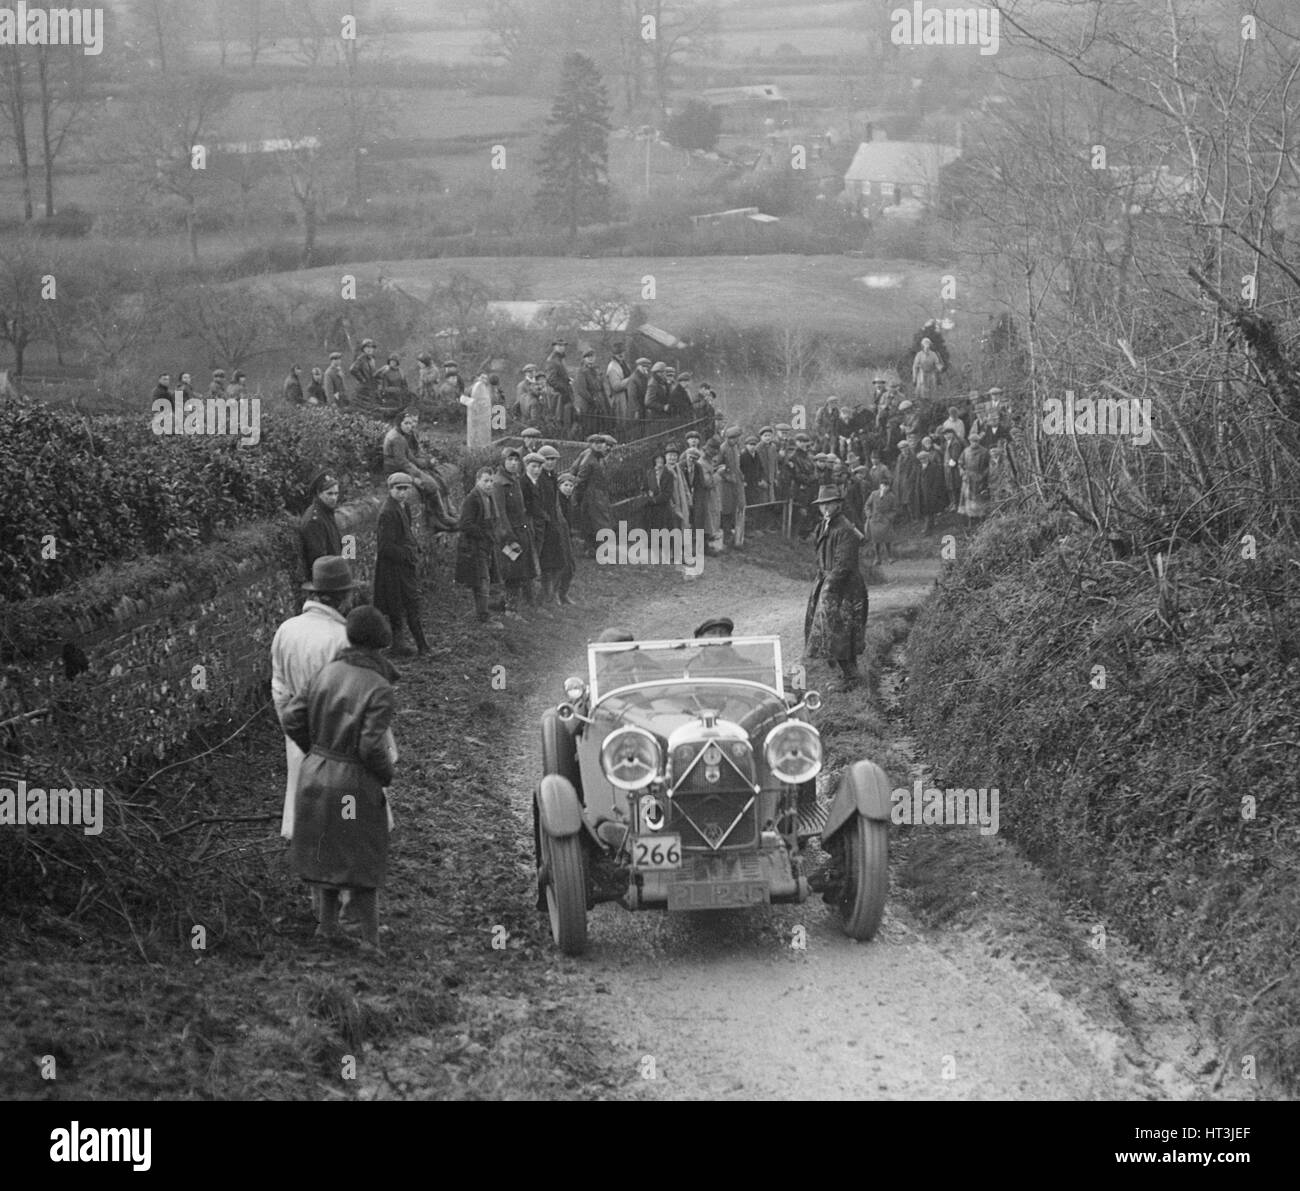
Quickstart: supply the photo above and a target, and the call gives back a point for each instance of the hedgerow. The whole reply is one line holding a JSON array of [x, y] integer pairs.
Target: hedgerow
[[80, 492]]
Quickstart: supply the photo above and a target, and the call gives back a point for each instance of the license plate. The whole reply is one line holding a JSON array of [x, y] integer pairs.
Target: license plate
[[716, 895], [654, 853]]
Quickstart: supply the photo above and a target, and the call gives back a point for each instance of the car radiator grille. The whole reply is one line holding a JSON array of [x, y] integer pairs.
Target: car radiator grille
[[702, 819]]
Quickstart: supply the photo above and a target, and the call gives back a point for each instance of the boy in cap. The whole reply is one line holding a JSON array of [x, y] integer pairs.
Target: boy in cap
[[397, 585], [802, 473]]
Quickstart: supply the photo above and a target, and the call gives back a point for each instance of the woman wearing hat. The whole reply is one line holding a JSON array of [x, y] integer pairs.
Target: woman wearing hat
[[880, 512], [835, 623], [342, 722], [318, 532]]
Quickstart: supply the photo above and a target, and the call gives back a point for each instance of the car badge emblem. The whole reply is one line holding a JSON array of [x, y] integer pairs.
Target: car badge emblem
[[713, 833], [712, 773]]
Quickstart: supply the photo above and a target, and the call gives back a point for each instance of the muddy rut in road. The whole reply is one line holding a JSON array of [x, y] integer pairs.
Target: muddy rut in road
[[727, 1005]]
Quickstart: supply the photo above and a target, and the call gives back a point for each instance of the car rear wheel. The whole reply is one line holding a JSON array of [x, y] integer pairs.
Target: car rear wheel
[[866, 877], [566, 891]]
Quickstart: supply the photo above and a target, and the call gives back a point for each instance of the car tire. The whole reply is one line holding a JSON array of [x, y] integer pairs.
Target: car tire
[[866, 877], [566, 891], [559, 751]]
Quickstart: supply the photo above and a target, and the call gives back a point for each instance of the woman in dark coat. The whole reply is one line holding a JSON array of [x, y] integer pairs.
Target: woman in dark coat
[[835, 623], [907, 483], [480, 534], [555, 549], [566, 483], [318, 532], [397, 584], [934, 489], [659, 502], [342, 723]]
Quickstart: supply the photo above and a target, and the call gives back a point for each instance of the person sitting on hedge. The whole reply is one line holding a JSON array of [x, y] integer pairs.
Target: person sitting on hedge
[[318, 532], [402, 453]]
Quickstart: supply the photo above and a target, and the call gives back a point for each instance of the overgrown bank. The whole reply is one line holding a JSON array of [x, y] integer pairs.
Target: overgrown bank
[[1141, 722]]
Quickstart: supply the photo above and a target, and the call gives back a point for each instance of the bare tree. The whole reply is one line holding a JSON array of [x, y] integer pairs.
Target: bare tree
[[24, 261], [62, 76], [235, 323], [13, 103]]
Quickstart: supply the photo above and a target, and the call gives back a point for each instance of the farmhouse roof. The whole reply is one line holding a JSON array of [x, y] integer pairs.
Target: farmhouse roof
[[908, 163], [724, 95]]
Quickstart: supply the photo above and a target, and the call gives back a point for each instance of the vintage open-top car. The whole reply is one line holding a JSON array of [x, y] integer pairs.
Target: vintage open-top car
[[681, 775]]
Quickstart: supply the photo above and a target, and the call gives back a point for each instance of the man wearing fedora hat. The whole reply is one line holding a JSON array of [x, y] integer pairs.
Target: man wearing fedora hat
[[397, 585], [835, 622], [302, 646]]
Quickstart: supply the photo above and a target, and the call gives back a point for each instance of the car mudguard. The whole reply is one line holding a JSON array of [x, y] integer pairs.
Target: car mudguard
[[864, 790], [559, 809]]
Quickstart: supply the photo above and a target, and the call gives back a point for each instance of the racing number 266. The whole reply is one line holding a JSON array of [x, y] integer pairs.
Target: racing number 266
[[665, 852]]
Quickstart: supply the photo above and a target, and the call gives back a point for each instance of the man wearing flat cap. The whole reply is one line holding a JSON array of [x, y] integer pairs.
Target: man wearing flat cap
[[617, 373], [656, 393], [588, 394], [630, 404], [802, 473], [397, 585], [591, 493], [303, 645], [732, 482], [559, 401], [720, 661], [758, 490], [528, 396], [516, 561]]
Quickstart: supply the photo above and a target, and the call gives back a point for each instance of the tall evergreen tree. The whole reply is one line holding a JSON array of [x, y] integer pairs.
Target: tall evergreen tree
[[574, 161]]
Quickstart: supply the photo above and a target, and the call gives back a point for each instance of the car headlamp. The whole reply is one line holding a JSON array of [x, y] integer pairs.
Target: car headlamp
[[794, 752], [630, 758]]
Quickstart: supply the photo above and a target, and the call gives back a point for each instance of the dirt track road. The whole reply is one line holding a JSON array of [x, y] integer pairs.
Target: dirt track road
[[725, 1006]]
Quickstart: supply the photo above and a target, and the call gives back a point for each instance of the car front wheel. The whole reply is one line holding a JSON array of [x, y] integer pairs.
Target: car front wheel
[[566, 891], [866, 877]]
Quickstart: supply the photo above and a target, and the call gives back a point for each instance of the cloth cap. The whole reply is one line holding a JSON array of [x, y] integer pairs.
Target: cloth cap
[[609, 439], [399, 477], [995, 391], [902, 405], [802, 437], [534, 457], [530, 432], [683, 376], [751, 440], [591, 351], [717, 622], [783, 427], [506, 452], [336, 355], [658, 366], [451, 364], [642, 360], [546, 451], [731, 432], [766, 430], [595, 438], [368, 343], [321, 480], [827, 493], [566, 477], [368, 628], [330, 573], [218, 372], [619, 345], [673, 448]]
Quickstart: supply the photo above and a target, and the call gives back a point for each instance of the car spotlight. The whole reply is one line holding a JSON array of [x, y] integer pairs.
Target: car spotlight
[[794, 752], [631, 758]]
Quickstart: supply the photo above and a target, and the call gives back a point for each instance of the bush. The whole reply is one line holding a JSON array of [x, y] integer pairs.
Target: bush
[[97, 490], [71, 223]]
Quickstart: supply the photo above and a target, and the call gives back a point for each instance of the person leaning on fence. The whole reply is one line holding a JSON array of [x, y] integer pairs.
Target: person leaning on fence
[[318, 532], [588, 394], [343, 723], [397, 584], [480, 533], [680, 500], [528, 396]]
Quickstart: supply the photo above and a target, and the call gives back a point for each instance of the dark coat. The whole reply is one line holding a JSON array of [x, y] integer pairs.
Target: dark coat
[[588, 391], [341, 722], [396, 584], [907, 485], [933, 488], [656, 396], [855, 496], [679, 402], [319, 535], [293, 390], [659, 502], [591, 493], [363, 372], [754, 468], [881, 512], [555, 553], [510, 500], [557, 376], [633, 397], [479, 535], [835, 622]]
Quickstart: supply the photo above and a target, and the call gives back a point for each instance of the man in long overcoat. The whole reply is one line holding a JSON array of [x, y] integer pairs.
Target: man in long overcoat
[[591, 493], [480, 536], [516, 560], [397, 585], [342, 722], [835, 623]]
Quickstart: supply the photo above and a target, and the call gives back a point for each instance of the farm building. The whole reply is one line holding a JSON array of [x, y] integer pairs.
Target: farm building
[[749, 109], [896, 174]]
